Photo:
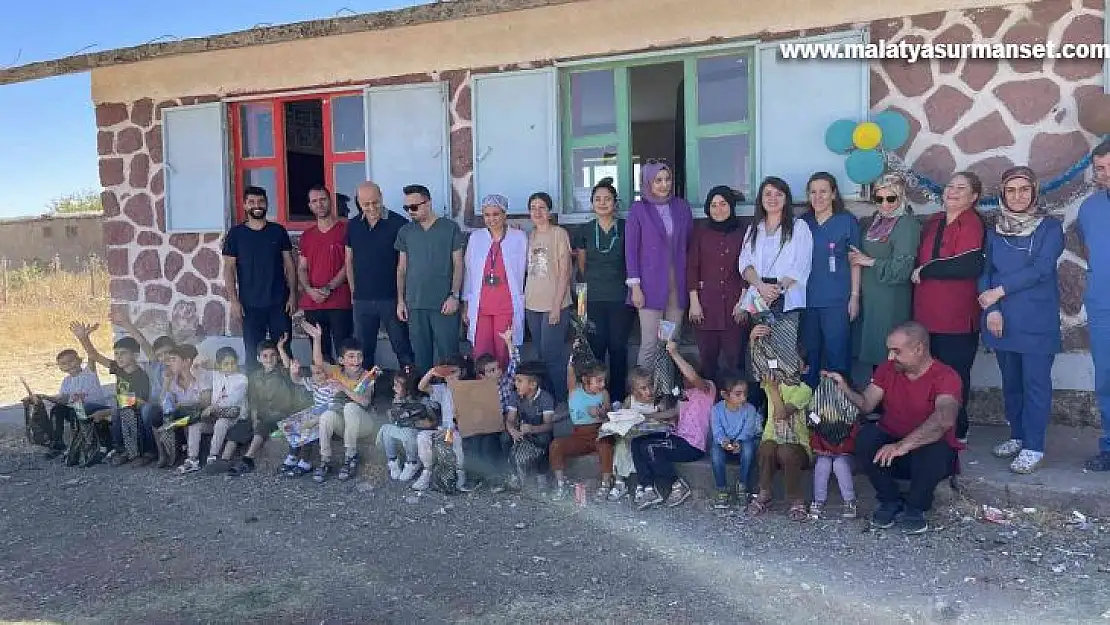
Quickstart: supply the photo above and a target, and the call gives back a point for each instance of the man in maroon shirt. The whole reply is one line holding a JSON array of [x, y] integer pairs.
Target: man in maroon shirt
[[914, 439], [321, 272]]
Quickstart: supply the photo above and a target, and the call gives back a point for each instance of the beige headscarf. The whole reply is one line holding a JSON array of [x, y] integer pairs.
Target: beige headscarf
[[1010, 223], [883, 223]]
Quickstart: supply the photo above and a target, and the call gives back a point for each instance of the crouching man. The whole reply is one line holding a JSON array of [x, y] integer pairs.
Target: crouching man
[[914, 439]]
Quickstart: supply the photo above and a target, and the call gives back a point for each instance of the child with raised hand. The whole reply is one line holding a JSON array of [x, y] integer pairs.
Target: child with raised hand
[[302, 429], [656, 455], [529, 423], [434, 384], [588, 402], [487, 450], [736, 426], [400, 434], [79, 386], [641, 399]]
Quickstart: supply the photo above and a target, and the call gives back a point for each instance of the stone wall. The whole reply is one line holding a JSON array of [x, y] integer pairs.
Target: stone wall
[[986, 116]]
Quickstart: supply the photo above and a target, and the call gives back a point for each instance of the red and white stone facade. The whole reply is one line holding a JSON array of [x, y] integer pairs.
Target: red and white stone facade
[[966, 114]]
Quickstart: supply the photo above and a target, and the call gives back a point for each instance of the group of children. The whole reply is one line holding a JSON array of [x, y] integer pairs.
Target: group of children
[[171, 403]]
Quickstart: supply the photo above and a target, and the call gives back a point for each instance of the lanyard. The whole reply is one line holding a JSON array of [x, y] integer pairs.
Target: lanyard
[[597, 238]]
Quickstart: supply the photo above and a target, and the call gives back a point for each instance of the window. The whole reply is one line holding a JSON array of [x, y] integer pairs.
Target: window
[[196, 165], [71, 232], [692, 111], [287, 145]]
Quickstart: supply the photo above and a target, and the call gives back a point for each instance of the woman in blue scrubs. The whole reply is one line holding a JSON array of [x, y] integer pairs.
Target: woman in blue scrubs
[[832, 295], [1020, 297]]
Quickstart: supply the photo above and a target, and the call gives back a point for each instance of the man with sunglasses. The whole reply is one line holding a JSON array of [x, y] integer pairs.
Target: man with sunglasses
[[429, 277]]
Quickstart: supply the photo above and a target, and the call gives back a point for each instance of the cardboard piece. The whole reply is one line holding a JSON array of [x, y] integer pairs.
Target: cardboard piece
[[477, 407]]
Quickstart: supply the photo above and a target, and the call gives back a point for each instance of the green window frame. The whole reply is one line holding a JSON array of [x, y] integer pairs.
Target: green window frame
[[621, 138]]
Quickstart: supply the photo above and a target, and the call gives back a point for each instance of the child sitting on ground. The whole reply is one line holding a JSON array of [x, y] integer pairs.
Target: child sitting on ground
[[656, 454], [641, 399], [529, 423], [434, 384], [186, 395], [229, 401], [302, 429], [157, 355], [830, 459], [588, 403], [80, 386], [487, 451], [736, 430], [407, 418], [785, 443]]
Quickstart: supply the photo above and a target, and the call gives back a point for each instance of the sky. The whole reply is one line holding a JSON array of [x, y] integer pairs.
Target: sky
[[47, 127]]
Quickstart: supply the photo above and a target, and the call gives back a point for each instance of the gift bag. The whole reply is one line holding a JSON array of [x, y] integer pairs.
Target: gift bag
[[445, 477], [777, 353], [831, 413]]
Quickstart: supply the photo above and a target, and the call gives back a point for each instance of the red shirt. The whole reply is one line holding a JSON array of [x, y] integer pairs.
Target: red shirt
[[326, 254], [495, 299], [948, 306], [908, 403], [712, 271]]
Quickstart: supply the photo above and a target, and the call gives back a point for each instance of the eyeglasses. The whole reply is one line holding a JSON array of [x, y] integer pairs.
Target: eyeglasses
[[412, 208], [890, 199]]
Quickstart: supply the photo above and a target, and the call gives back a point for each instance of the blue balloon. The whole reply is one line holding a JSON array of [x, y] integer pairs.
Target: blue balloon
[[864, 166], [895, 127], [838, 137]]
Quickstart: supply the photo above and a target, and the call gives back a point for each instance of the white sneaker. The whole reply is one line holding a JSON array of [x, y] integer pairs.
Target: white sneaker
[[409, 472], [1007, 449], [394, 467], [638, 497], [1026, 462], [424, 482], [618, 491], [189, 466], [210, 460]]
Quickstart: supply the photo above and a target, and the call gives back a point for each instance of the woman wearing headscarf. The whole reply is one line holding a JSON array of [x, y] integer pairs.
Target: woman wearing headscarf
[[1020, 297], [716, 285], [493, 283], [949, 262], [658, 234], [887, 257]]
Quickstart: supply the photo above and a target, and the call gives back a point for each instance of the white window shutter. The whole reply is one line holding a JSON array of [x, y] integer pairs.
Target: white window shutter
[[798, 99], [516, 136], [194, 140], [407, 142]]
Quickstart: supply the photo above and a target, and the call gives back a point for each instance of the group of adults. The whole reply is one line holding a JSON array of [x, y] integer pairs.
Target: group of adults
[[853, 284]]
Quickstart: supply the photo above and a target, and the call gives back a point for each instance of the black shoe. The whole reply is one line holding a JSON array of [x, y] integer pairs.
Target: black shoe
[[217, 467], [244, 466], [470, 485], [349, 468], [1100, 462], [884, 516], [913, 523]]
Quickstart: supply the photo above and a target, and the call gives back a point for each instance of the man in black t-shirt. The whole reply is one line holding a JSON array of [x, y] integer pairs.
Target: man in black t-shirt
[[260, 275], [132, 393]]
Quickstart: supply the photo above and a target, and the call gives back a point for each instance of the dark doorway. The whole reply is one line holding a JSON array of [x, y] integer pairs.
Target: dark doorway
[[304, 154]]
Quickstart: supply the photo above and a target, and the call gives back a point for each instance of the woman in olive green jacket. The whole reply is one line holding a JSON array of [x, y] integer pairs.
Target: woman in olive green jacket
[[887, 258]]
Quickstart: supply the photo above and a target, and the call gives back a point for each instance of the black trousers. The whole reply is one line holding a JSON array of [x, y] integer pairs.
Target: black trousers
[[925, 468], [369, 317], [337, 326], [612, 325], [260, 324], [958, 351], [485, 456]]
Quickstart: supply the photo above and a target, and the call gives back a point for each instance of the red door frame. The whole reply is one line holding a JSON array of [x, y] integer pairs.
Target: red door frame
[[279, 205]]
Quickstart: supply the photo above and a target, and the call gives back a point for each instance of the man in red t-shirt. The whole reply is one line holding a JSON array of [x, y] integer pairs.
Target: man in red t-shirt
[[321, 272], [914, 439]]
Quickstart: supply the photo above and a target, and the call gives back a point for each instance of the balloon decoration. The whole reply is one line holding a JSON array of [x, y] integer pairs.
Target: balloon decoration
[[866, 142]]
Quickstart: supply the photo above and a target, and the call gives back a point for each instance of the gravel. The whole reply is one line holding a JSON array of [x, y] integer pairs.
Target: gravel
[[139, 545]]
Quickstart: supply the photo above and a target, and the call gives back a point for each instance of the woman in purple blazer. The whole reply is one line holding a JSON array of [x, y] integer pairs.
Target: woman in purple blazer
[[657, 234]]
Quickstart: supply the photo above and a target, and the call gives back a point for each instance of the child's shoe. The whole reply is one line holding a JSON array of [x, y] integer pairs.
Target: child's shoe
[[394, 467], [602, 492], [650, 499], [815, 510], [722, 500], [210, 459], [243, 467], [424, 482], [639, 495], [320, 475], [410, 471], [561, 491], [349, 468], [191, 465], [618, 491], [849, 510], [680, 492]]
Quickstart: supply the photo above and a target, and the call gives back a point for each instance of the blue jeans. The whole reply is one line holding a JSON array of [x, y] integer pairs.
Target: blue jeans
[[1027, 395], [826, 335], [719, 457], [1099, 323]]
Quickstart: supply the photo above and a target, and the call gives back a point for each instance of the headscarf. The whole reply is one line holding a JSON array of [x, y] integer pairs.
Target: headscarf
[[648, 173], [883, 223], [500, 201], [1013, 224], [733, 222]]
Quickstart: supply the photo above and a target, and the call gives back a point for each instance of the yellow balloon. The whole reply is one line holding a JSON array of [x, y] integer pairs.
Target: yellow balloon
[[867, 136]]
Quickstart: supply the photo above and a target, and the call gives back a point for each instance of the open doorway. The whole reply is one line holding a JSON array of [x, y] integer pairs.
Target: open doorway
[[304, 154], [656, 116]]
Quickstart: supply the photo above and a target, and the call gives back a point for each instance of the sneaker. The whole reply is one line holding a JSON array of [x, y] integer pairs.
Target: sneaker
[[680, 492], [601, 493], [394, 467], [618, 491], [815, 510], [320, 475], [349, 468], [143, 460], [562, 489], [514, 482], [409, 471], [913, 523], [884, 515], [297, 470], [1026, 462], [469, 486], [1100, 462], [244, 466], [639, 495], [849, 510], [191, 465], [722, 500], [651, 499], [1007, 449], [116, 458], [741, 493], [210, 459], [424, 482]]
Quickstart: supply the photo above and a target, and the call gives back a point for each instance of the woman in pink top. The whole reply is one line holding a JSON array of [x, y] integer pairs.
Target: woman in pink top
[[655, 454]]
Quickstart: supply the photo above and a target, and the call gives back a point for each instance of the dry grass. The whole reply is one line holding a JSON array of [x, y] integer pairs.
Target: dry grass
[[34, 320]]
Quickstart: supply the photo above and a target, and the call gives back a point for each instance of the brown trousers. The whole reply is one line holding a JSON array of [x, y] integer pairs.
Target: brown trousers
[[791, 459], [581, 442]]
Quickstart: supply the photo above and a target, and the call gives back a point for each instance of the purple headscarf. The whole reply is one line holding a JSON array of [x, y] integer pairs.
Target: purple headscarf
[[648, 173]]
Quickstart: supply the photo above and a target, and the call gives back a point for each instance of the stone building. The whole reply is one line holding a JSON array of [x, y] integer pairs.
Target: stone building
[[68, 239], [511, 96]]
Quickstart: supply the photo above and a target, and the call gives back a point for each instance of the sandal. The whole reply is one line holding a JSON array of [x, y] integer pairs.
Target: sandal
[[758, 506], [797, 511]]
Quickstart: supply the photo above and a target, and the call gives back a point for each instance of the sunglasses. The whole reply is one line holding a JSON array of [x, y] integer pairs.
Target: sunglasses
[[412, 208], [890, 199]]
